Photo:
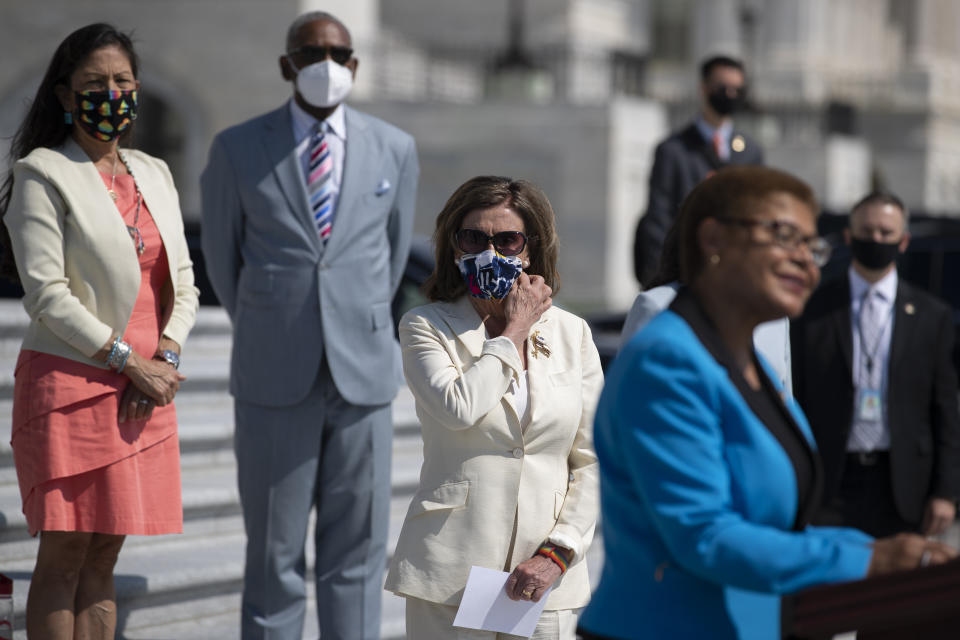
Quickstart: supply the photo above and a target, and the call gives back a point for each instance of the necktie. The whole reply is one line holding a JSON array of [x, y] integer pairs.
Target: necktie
[[718, 145], [867, 433], [319, 184]]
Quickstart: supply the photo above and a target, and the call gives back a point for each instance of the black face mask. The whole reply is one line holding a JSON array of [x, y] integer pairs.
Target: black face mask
[[723, 103], [873, 255]]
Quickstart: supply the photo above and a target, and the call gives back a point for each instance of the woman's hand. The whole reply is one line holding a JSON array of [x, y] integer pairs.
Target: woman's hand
[[523, 306], [531, 579], [156, 379], [135, 404], [906, 551], [168, 344]]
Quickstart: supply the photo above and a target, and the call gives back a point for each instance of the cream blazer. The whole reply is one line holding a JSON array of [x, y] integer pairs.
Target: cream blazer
[[481, 468], [78, 266]]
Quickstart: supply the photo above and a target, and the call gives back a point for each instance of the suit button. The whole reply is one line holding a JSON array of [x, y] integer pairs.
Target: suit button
[[518, 453], [323, 265]]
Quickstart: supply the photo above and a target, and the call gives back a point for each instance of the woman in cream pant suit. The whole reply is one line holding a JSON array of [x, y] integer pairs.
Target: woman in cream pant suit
[[505, 392]]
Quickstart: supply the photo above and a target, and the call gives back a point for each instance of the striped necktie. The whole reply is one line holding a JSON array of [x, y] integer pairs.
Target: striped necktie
[[320, 184]]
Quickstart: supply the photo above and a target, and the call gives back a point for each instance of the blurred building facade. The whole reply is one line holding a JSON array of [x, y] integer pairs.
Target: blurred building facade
[[573, 94]]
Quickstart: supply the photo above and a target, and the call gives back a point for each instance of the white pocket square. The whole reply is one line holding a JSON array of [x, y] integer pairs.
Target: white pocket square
[[383, 187]]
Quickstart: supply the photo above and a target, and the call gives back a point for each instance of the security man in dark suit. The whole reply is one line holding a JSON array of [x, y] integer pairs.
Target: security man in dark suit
[[872, 370], [691, 154]]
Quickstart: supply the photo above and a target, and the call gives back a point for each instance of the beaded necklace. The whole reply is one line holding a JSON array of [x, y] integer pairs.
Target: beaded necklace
[[133, 230]]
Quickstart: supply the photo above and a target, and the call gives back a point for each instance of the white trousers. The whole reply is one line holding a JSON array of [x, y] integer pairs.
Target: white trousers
[[432, 621]]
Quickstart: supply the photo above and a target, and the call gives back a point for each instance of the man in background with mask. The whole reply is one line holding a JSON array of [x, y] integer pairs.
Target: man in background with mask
[[307, 223], [872, 370], [691, 154]]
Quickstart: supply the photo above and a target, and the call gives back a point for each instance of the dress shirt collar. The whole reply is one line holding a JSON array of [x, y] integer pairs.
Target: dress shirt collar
[[886, 286], [304, 123], [707, 130]]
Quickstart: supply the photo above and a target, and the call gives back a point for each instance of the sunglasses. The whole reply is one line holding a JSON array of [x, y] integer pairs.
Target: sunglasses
[[507, 243], [311, 54]]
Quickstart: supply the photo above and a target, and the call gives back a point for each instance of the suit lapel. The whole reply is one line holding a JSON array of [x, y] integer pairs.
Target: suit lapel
[[841, 321], [687, 307], [904, 324], [104, 214], [705, 147], [467, 326], [281, 151], [359, 151], [539, 367]]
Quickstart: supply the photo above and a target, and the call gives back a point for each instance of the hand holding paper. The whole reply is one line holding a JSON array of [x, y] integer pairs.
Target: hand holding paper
[[486, 606]]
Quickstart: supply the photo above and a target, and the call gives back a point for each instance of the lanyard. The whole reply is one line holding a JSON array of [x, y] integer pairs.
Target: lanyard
[[865, 351]]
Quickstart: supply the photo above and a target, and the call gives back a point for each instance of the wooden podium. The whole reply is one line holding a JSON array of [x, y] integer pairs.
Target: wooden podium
[[923, 603]]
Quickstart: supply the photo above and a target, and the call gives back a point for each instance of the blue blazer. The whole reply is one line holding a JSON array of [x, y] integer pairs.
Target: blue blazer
[[703, 526]]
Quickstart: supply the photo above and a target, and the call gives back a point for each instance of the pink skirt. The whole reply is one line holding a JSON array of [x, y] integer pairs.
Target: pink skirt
[[78, 468]]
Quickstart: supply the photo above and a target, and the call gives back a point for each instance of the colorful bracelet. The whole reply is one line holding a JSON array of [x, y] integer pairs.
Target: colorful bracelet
[[548, 550]]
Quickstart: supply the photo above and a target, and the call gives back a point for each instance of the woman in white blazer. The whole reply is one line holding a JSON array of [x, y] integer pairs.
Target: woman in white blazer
[[505, 388], [98, 241]]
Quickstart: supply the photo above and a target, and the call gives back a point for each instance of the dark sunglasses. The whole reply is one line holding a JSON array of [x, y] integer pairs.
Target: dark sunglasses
[[312, 54], [507, 243]]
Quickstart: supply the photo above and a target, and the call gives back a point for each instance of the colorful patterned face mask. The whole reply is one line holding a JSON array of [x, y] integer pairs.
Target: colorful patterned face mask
[[489, 275], [106, 114]]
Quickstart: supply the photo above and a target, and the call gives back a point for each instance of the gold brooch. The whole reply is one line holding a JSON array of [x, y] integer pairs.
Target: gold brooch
[[539, 345]]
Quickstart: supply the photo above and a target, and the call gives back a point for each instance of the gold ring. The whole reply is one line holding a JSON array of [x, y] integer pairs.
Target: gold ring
[[528, 592]]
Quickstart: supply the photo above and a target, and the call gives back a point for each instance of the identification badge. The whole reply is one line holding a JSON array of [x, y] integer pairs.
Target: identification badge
[[868, 406]]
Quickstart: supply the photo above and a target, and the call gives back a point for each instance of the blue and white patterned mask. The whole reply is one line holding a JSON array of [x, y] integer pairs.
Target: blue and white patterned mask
[[489, 275]]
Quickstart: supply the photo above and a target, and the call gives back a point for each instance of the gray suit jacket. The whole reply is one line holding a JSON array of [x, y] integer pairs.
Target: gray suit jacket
[[290, 299]]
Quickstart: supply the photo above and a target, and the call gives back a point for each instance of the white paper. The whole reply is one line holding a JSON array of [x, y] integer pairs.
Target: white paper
[[485, 605]]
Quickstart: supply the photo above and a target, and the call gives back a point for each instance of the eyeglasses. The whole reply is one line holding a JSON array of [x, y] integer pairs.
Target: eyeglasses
[[787, 236], [507, 243], [311, 54]]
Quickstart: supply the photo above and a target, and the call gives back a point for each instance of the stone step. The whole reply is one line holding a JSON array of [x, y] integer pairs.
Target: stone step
[[169, 577], [219, 617]]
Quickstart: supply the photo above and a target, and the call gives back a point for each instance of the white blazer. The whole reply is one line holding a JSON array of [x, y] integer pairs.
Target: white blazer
[[481, 468], [78, 266]]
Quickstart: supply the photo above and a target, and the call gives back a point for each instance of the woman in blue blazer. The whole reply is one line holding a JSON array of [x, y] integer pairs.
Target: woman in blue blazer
[[708, 470]]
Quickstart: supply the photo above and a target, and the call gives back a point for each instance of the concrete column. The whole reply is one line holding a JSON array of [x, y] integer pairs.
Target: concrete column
[[715, 28]]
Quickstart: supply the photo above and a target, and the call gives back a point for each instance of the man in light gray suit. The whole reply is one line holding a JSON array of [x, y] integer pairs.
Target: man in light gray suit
[[307, 222]]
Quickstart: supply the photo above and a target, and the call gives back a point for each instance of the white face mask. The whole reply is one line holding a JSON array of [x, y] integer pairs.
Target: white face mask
[[324, 84]]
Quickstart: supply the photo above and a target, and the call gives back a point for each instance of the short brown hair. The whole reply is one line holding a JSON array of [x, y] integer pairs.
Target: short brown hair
[[731, 192], [881, 197], [483, 192]]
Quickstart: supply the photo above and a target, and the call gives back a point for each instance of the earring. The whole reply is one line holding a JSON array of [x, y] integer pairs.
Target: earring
[[715, 259], [67, 117], [526, 263]]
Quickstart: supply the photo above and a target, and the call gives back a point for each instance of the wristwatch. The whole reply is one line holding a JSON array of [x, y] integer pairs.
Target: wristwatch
[[170, 356]]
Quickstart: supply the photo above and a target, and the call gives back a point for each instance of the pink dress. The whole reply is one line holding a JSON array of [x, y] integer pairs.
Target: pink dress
[[78, 467]]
